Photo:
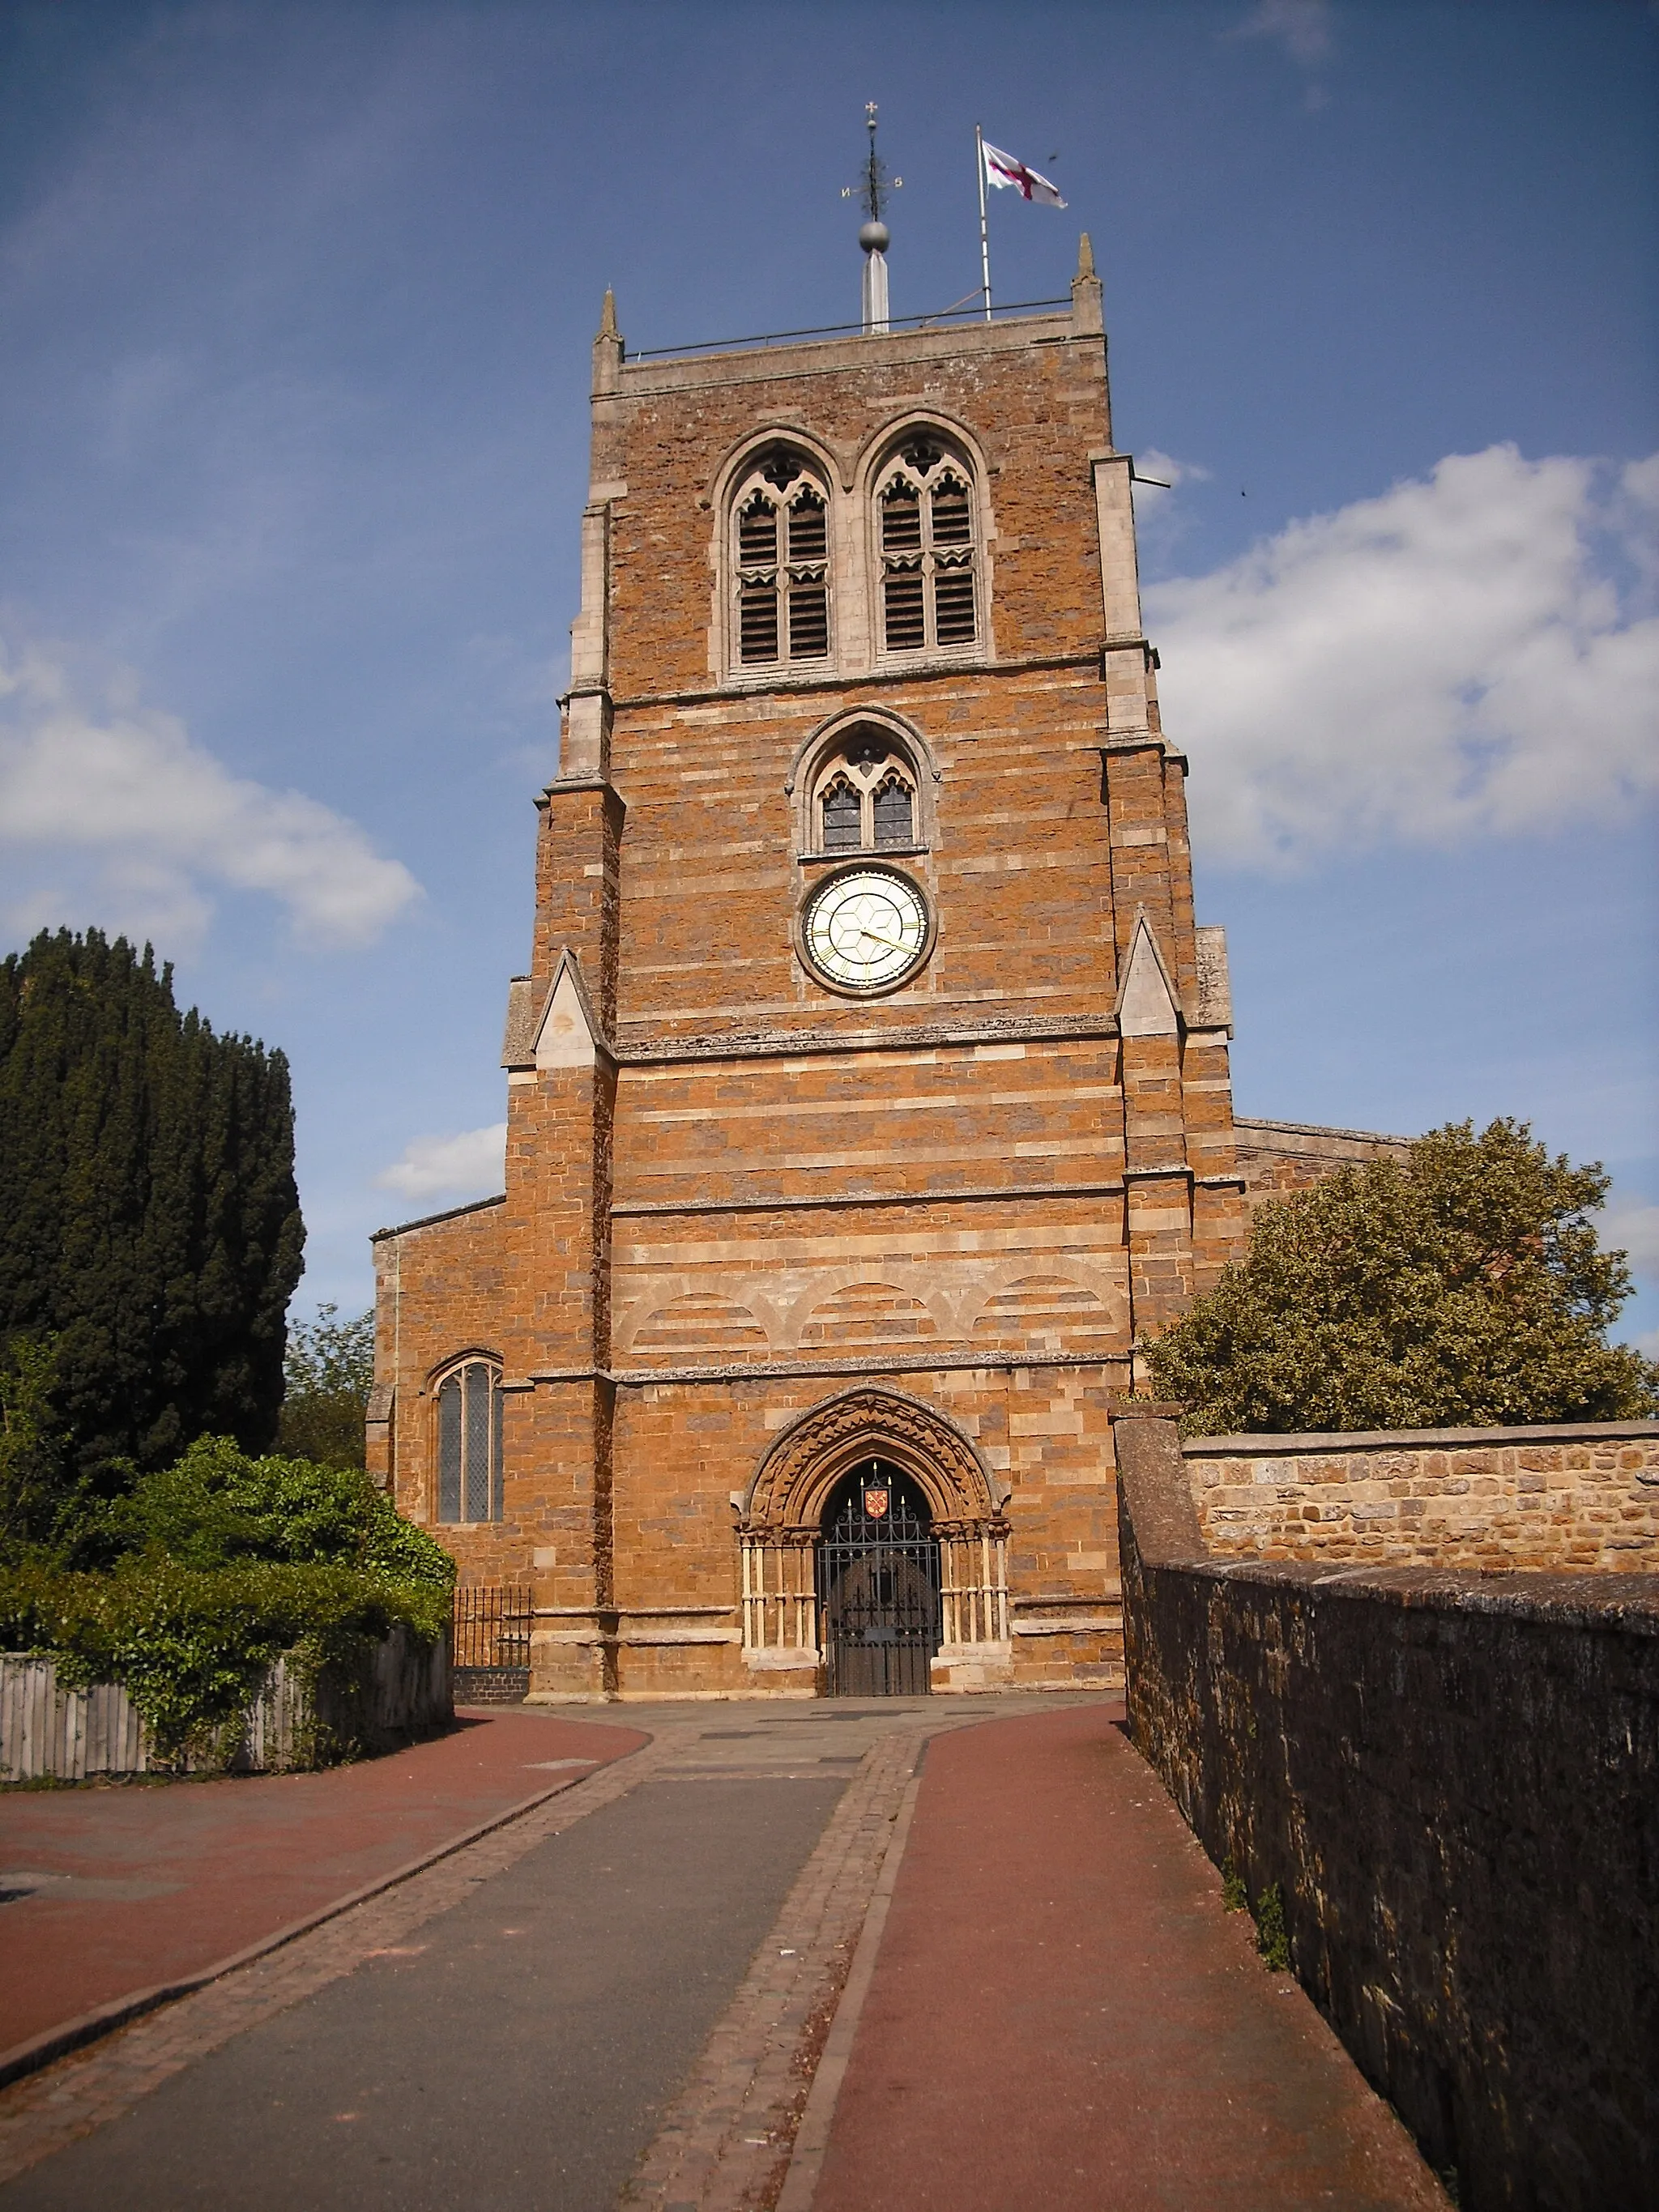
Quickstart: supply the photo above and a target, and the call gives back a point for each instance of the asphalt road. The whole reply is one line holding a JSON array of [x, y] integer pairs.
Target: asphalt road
[[113, 1890], [519, 2056]]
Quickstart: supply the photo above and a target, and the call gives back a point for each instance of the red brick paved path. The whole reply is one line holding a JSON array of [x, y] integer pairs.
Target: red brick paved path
[[1063, 2016], [165, 1880]]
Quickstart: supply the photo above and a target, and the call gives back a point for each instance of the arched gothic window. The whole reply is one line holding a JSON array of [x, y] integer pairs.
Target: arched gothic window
[[842, 810], [927, 544], [864, 797], [469, 1401], [781, 556]]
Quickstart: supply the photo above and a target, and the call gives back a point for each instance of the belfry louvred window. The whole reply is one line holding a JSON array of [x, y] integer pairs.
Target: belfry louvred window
[[925, 525], [469, 1401], [782, 560]]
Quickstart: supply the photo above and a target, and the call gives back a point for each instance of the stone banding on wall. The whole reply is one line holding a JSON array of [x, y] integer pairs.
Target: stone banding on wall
[[1566, 1496]]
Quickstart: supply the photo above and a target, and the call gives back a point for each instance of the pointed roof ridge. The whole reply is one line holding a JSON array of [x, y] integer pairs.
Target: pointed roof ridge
[[1142, 929], [596, 1041]]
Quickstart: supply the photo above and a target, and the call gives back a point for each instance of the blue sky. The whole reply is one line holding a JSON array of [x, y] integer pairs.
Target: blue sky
[[296, 305]]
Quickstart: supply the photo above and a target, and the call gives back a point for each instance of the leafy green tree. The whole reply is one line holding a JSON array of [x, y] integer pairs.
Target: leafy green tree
[[150, 1224], [328, 1369], [1463, 1288], [220, 1507], [187, 1586]]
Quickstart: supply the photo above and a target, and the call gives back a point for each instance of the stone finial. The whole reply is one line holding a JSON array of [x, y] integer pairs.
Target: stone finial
[[608, 348], [1087, 314]]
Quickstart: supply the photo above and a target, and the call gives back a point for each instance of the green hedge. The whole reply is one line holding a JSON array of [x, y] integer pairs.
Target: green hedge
[[217, 1507], [212, 1569], [191, 1645]]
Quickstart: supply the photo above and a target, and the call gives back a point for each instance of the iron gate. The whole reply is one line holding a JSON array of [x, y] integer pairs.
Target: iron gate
[[879, 1585]]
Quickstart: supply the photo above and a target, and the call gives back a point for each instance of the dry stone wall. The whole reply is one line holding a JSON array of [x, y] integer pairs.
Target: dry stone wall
[[1559, 1498], [1452, 1781]]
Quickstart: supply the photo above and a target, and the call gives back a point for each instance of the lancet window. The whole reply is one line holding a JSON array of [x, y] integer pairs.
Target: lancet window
[[927, 546], [468, 1403], [864, 797], [781, 555]]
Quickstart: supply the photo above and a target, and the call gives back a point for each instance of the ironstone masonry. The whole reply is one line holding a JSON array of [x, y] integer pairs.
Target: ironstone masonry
[[774, 1225]]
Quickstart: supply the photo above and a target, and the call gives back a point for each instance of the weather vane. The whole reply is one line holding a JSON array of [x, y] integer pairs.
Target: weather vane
[[877, 183], [873, 233]]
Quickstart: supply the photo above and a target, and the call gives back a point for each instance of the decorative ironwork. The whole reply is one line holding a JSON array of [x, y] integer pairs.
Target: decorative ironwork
[[878, 1588], [871, 189]]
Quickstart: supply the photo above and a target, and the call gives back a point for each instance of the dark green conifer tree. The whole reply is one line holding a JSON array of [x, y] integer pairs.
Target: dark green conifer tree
[[150, 1224]]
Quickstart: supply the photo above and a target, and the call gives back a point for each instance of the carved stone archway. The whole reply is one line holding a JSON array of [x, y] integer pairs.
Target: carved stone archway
[[788, 1489], [782, 1512]]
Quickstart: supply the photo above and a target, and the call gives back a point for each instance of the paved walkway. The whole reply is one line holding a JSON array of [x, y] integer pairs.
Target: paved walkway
[[619, 1999], [1062, 2015], [110, 1890]]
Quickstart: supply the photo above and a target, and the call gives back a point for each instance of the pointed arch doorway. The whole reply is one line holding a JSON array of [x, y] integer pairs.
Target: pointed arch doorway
[[840, 1600], [879, 1585]]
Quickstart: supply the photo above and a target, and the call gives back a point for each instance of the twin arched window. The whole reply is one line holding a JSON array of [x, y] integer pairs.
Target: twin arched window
[[863, 797], [469, 1400], [926, 550]]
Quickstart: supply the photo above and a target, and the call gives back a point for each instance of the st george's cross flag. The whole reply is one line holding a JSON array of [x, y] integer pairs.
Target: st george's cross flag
[[1002, 170]]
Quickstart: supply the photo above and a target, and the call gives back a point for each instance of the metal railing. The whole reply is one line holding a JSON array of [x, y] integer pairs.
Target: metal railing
[[940, 318], [492, 1624]]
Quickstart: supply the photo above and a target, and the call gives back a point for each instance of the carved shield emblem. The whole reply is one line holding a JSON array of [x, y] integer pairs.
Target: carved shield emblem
[[875, 1504]]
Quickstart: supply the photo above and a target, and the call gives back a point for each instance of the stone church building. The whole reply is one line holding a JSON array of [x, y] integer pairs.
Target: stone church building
[[868, 1095]]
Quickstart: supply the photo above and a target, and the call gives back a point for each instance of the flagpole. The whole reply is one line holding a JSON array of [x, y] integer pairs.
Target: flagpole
[[984, 234]]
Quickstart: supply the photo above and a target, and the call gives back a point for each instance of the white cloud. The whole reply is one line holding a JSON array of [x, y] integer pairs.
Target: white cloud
[[1303, 27], [160, 821], [1445, 661], [1162, 520], [475, 1160], [1628, 1227], [1153, 462]]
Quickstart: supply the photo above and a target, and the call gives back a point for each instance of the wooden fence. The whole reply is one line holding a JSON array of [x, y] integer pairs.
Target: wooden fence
[[50, 1733]]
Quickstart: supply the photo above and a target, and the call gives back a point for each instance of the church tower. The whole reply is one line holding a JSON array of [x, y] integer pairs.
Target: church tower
[[867, 1095]]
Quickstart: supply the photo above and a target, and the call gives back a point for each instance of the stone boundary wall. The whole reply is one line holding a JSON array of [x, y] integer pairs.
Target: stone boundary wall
[[1565, 1498], [1453, 1780], [68, 1735]]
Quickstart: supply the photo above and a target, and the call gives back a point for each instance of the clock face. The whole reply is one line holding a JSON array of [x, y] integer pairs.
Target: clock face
[[866, 930]]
